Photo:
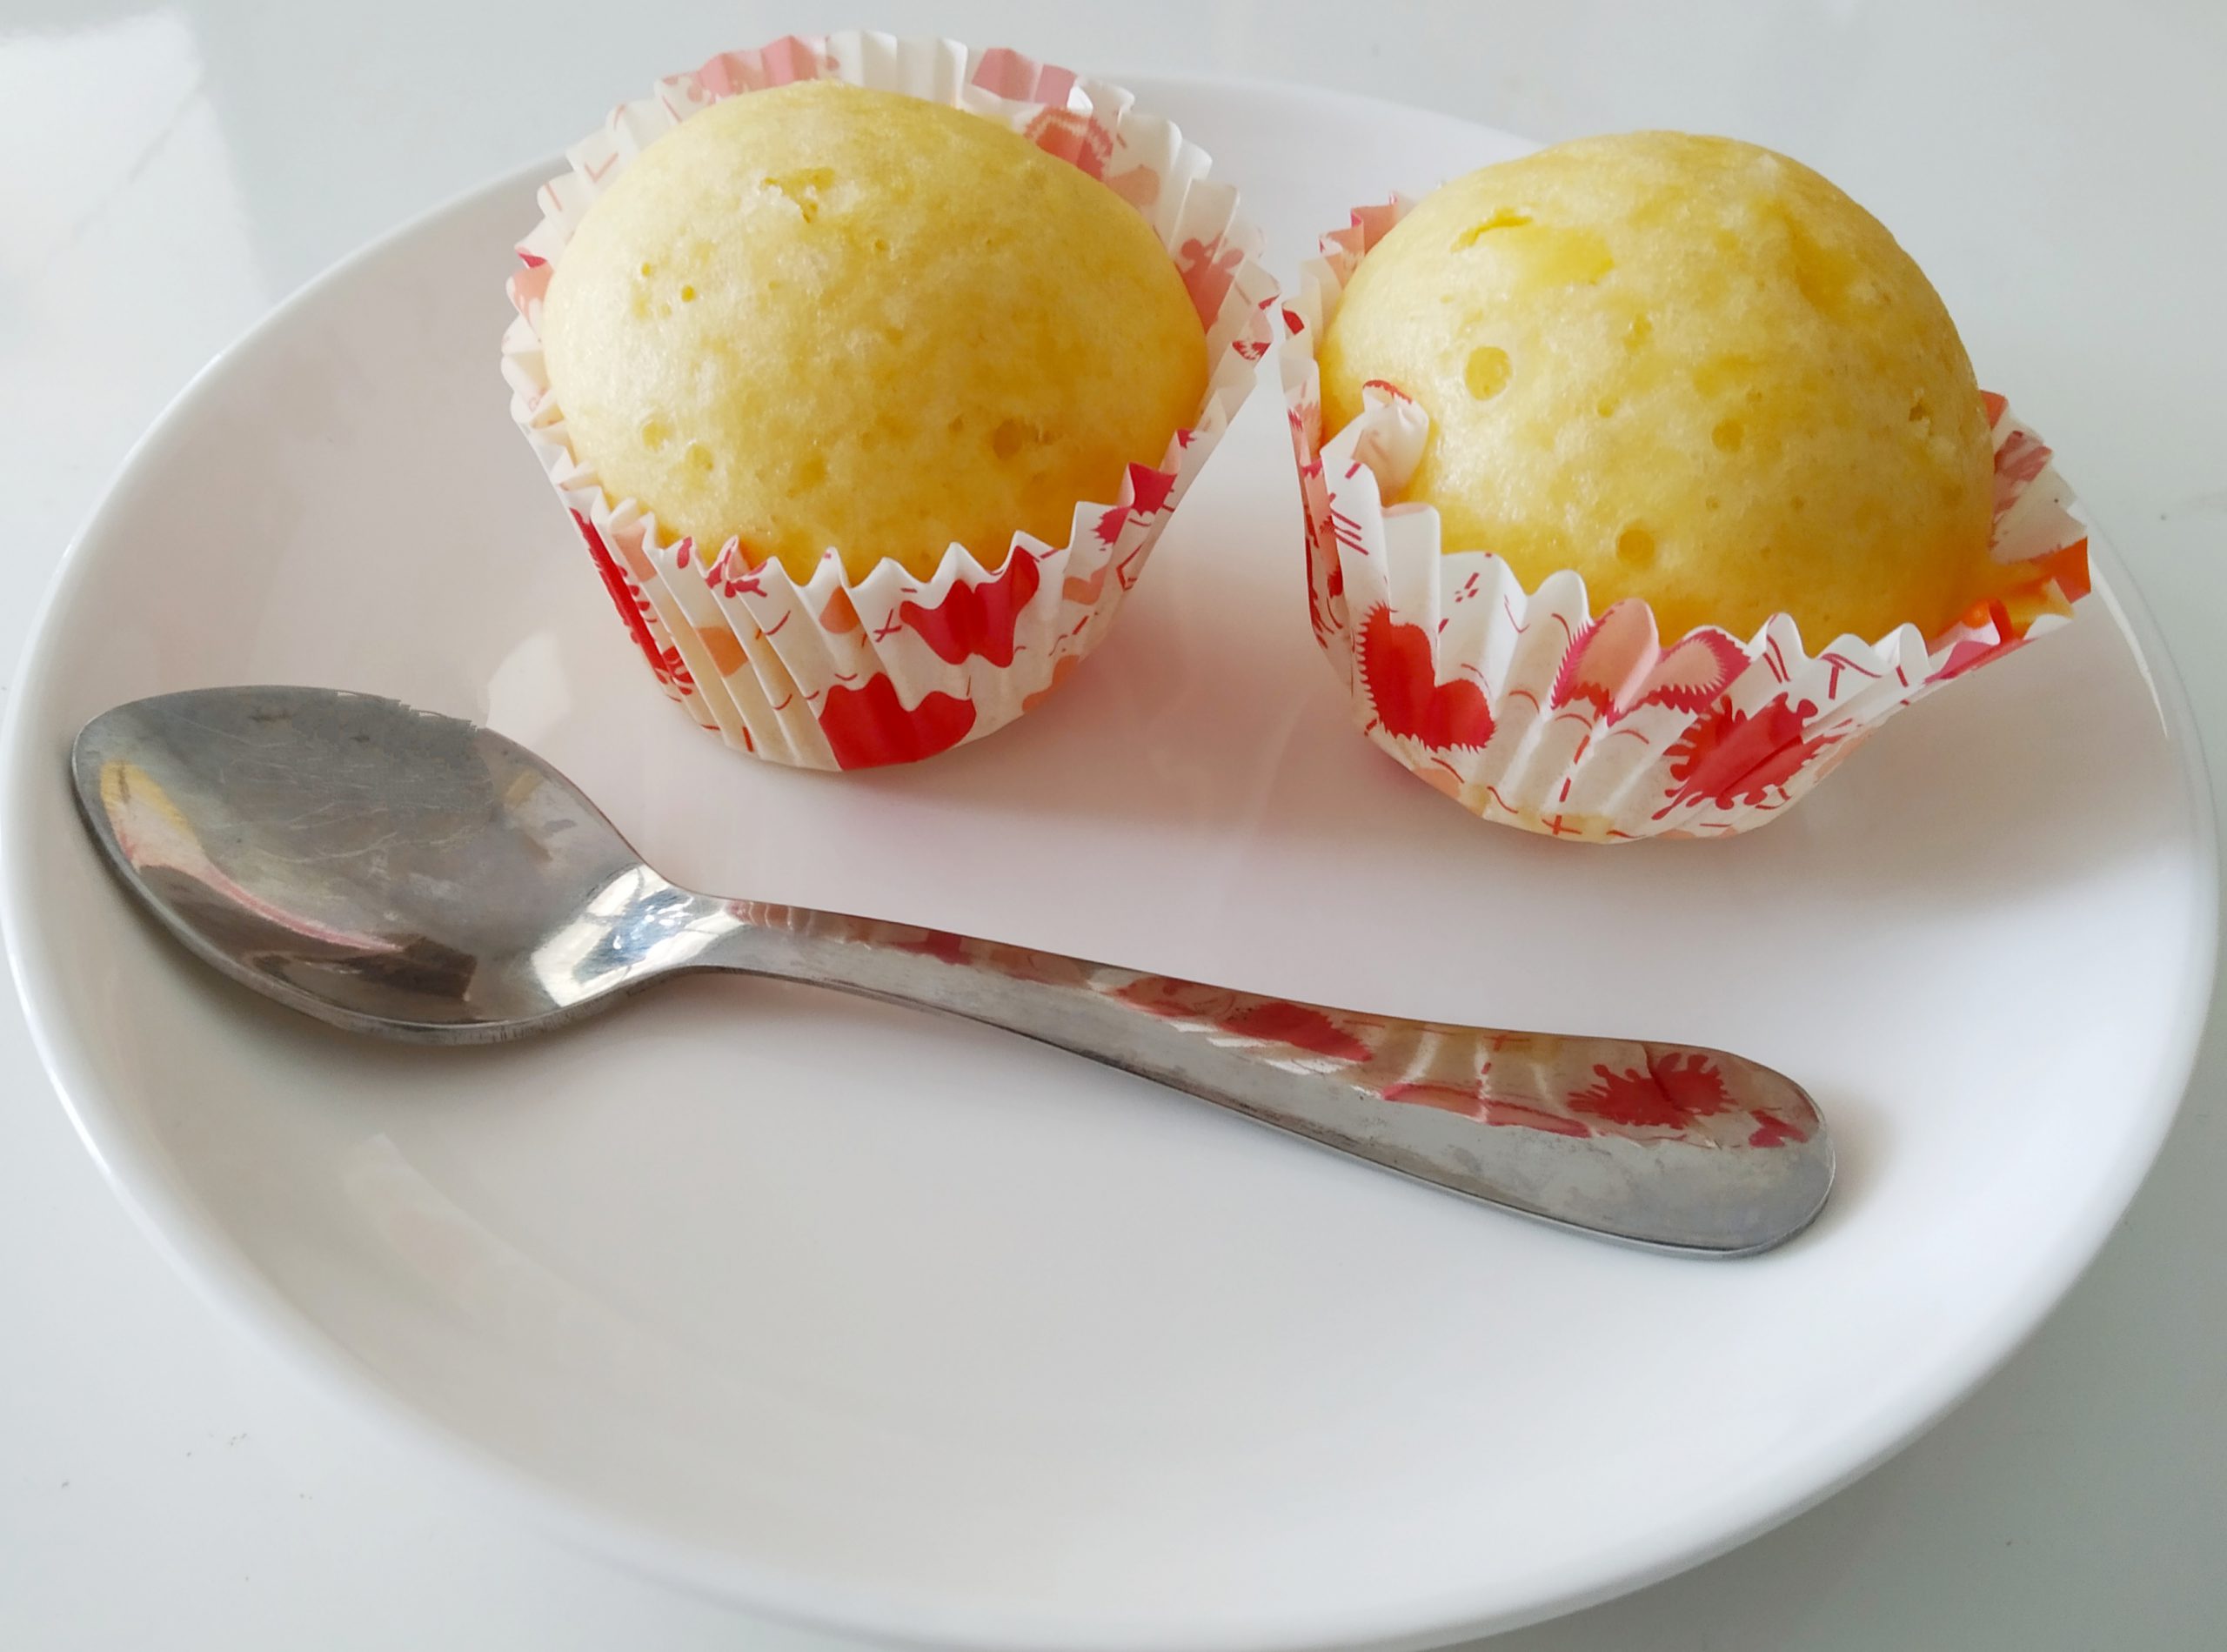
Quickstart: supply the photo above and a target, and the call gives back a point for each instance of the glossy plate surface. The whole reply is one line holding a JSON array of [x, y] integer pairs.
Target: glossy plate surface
[[907, 1325]]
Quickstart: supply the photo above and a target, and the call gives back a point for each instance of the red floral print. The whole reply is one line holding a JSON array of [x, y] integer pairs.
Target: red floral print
[[2018, 462], [1398, 667], [1670, 1096], [1074, 137], [978, 620], [1301, 1025], [1207, 269], [1149, 492], [1007, 73], [724, 647], [1771, 1131], [1614, 665], [867, 726], [731, 574], [1729, 757]]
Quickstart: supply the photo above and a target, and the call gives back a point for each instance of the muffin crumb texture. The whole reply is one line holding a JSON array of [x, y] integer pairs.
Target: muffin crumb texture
[[1690, 368], [825, 317]]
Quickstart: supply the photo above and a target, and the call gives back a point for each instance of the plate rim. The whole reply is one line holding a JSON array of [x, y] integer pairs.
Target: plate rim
[[193, 1243]]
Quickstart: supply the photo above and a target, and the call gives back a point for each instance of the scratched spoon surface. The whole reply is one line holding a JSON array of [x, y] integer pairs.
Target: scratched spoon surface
[[414, 876]]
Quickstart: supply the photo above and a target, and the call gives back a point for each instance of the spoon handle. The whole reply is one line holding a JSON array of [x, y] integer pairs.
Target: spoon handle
[[1667, 1145]]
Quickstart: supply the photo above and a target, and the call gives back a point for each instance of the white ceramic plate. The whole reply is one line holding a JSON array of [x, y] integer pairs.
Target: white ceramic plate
[[911, 1327]]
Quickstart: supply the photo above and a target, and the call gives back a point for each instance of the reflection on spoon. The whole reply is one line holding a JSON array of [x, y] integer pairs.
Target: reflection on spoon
[[416, 877]]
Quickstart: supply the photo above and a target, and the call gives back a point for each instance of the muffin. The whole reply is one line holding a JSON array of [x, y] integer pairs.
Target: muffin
[[1692, 370], [822, 317], [870, 381], [1645, 476]]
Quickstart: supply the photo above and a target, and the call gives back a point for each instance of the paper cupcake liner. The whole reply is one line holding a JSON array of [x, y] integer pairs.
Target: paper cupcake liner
[[837, 673], [1526, 708]]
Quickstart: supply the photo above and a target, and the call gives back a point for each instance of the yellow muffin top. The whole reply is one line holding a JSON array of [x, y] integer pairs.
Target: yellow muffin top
[[823, 316], [1690, 368]]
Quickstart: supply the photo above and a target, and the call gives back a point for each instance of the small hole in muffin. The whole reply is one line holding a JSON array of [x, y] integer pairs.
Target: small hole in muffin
[[1637, 334], [958, 423], [880, 244], [688, 295], [812, 471], [1727, 435], [654, 432], [1635, 547], [1010, 436], [649, 269], [1605, 407], [1487, 371], [1799, 503], [699, 456], [1711, 503], [1505, 218], [1920, 410]]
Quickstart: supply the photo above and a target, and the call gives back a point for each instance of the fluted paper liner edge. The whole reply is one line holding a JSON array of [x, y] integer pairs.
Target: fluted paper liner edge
[[833, 673], [1527, 709]]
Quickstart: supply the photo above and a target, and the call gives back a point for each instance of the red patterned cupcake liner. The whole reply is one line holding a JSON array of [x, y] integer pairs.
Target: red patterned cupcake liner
[[1527, 709], [837, 673]]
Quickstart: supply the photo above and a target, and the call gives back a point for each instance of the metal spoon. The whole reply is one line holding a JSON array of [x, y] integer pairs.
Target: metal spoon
[[402, 874]]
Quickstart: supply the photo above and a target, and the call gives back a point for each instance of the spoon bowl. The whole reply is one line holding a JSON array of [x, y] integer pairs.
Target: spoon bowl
[[387, 870]]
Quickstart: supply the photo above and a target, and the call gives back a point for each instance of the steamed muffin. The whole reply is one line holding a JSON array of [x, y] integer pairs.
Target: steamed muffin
[[822, 316], [1690, 368]]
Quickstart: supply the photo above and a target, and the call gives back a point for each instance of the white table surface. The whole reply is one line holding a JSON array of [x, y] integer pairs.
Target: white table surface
[[168, 171]]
